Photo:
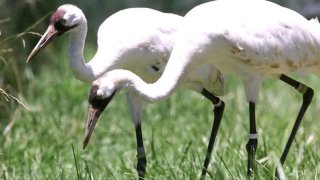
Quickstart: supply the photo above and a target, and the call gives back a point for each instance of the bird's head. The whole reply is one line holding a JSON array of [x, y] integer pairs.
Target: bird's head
[[101, 93], [64, 19], [99, 97]]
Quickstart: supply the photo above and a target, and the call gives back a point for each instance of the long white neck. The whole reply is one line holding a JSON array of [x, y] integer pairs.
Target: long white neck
[[159, 90], [149, 92], [80, 69], [171, 78]]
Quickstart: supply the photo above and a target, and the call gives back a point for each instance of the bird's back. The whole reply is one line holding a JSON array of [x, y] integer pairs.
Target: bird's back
[[136, 21], [138, 39], [251, 35]]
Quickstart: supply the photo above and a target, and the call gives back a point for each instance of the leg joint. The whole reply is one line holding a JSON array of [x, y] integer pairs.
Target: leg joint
[[219, 103], [307, 92], [302, 88], [308, 95]]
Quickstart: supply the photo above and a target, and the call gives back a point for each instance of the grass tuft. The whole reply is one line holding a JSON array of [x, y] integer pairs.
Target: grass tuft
[[8, 96], [76, 162]]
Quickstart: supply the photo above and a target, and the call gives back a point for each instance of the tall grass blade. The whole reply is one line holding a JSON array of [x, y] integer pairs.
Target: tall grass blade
[[185, 152], [88, 172], [76, 163]]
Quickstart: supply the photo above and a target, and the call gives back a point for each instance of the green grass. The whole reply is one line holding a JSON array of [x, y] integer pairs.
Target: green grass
[[45, 142]]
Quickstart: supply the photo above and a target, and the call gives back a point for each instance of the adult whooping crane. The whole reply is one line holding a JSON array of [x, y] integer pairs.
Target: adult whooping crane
[[252, 39], [137, 39]]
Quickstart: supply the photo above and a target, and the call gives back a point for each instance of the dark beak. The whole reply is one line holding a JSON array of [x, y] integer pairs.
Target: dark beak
[[47, 37], [96, 107]]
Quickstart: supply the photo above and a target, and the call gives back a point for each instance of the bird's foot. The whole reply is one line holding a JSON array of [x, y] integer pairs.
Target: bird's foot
[[142, 162], [251, 149]]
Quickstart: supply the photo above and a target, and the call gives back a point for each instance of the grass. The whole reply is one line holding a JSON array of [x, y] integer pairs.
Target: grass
[[45, 142]]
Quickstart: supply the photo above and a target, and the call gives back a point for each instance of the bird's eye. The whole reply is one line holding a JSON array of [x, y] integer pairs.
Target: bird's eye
[[62, 21]]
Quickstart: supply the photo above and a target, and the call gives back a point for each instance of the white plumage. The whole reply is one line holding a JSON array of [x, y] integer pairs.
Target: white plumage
[[250, 38], [137, 39], [251, 43]]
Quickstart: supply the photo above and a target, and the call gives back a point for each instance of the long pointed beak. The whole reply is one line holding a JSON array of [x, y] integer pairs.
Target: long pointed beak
[[47, 37], [95, 109]]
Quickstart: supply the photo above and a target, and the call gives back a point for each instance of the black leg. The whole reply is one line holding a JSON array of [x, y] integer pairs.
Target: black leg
[[218, 112], [141, 155], [253, 139], [135, 107], [307, 94]]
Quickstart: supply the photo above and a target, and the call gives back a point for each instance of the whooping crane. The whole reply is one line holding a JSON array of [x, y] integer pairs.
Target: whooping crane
[[137, 39], [252, 39]]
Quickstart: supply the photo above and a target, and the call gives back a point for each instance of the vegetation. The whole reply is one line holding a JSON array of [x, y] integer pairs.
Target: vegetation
[[43, 111]]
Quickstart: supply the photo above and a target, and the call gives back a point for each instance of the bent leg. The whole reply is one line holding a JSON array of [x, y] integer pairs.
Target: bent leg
[[218, 112], [307, 94]]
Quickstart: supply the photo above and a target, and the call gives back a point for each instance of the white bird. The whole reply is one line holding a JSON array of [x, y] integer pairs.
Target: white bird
[[137, 39], [250, 38]]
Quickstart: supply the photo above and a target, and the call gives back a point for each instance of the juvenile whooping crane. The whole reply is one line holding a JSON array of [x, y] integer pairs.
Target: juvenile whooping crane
[[137, 39], [250, 38]]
